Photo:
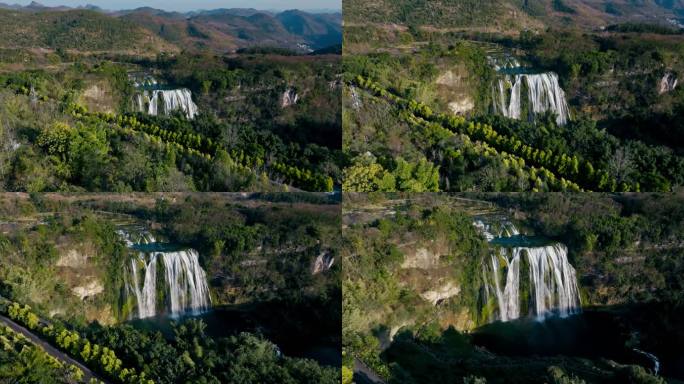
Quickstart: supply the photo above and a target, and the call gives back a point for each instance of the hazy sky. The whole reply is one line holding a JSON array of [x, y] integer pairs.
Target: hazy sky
[[189, 5]]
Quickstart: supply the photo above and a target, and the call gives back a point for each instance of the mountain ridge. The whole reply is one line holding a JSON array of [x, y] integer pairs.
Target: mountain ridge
[[222, 30], [513, 14], [79, 29]]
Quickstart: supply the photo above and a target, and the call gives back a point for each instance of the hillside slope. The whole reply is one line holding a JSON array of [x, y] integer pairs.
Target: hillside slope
[[154, 30], [439, 13], [75, 29], [511, 14], [230, 29], [598, 13]]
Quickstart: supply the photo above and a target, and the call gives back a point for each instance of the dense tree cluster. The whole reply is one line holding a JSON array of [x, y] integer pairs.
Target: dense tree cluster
[[579, 155], [252, 143], [100, 358], [191, 355], [22, 361], [562, 164]]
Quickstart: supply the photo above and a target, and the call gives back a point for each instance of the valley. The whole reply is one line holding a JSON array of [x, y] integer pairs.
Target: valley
[[514, 288], [131, 109], [150, 279], [553, 108]]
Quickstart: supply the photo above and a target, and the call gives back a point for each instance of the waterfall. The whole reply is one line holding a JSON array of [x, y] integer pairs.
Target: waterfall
[[552, 282], [544, 94], [289, 98], [503, 62], [146, 298], [323, 262], [668, 83], [186, 280], [156, 99], [183, 281], [551, 287], [167, 101]]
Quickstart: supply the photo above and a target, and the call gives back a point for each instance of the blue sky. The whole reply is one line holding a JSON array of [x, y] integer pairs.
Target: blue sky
[[189, 5]]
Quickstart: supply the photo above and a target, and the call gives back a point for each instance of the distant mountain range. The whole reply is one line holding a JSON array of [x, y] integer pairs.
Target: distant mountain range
[[512, 14], [219, 29]]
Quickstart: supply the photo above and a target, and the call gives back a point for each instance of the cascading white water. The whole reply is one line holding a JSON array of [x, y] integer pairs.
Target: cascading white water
[[289, 98], [544, 94], [185, 283], [490, 232], [186, 280], [131, 239], [167, 101], [153, 99], [146, 298], [552, 279], [503, 62], [668, 83]]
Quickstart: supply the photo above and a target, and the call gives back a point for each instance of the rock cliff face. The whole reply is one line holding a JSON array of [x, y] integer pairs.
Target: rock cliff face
[[421, 258], [427, 270], [90, 289], [99, 96], [79, 270], [455, 86], [73, 258], [446, 291]]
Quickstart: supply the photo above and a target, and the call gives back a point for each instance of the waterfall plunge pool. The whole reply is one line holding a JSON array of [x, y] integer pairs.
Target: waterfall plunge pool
[[596, 333], [166, 284], [294, 337]]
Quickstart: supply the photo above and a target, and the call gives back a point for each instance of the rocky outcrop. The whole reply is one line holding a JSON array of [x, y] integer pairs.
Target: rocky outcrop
[[98, 96], [422, 254], [395, 329], [441, 293], [78, 269], [422, 258], [450, 79], [453, 85], [88, 290], [356, 102], [73, 259], [462, 107]]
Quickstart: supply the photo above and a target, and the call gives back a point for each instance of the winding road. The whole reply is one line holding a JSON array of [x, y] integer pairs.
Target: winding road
[[52, 351]]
